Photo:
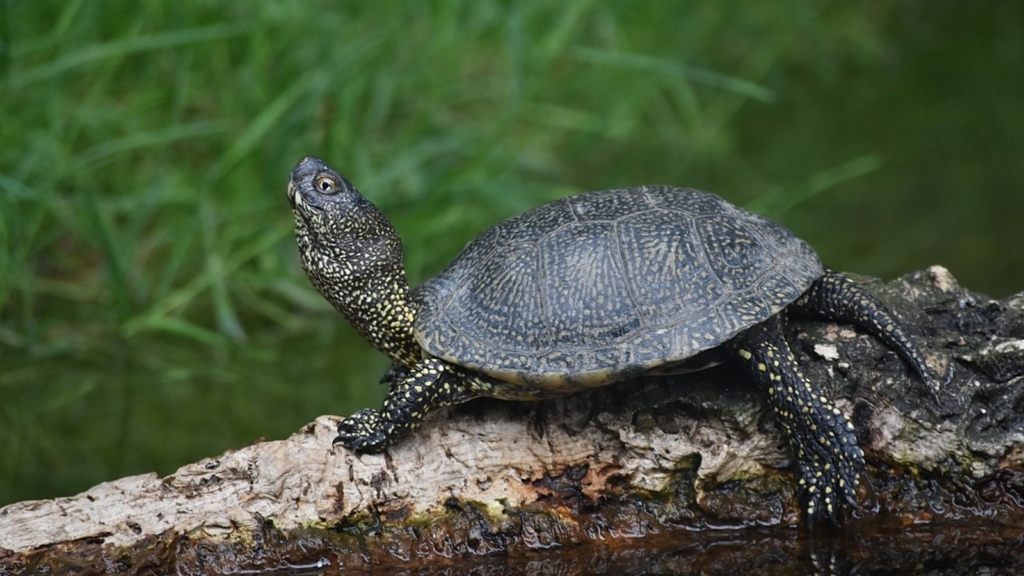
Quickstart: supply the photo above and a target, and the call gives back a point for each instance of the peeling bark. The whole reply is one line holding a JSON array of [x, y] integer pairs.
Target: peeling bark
[[602, 468]]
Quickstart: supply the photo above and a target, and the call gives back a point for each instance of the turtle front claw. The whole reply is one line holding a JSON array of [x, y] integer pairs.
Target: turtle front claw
[[365, 431]]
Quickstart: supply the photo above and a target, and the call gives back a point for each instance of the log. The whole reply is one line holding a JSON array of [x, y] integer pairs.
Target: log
[[649, 465]]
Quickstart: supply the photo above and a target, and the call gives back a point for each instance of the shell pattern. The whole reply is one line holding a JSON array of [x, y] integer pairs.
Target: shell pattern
[[606, 285]]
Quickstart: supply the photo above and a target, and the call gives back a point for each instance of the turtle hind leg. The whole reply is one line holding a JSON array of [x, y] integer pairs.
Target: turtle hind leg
[[836, 297], [429, 385], [830, 462]]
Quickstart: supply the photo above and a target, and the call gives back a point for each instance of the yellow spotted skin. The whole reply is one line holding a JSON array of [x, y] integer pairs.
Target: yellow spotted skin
[[823, 440], [431, 384], [349, 251], [835, 297], [353, 257], [592, 289]]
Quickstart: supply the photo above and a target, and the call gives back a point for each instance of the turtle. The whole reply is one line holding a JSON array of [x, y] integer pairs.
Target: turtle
[[589, 290]]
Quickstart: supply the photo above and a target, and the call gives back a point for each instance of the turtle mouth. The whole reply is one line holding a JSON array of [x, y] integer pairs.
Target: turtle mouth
[[297, 201], [293, 195]]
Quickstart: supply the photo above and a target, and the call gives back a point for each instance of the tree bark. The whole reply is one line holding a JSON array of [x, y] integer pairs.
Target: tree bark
[[651, 458]]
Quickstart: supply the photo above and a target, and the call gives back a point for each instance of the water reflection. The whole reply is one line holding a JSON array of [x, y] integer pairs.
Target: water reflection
[[954, 550]]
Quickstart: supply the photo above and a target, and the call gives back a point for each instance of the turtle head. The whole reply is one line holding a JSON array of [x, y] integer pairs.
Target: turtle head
[[353, 256], [329, 207], [335, 224]]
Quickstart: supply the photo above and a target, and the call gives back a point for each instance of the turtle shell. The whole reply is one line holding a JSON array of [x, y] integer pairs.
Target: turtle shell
[[604, 286]]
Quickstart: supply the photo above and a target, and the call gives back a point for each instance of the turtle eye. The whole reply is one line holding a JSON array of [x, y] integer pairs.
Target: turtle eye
[[325, 184]]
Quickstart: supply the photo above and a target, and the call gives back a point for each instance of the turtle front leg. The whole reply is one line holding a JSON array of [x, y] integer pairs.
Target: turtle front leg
[[431, 384], [828, 457]]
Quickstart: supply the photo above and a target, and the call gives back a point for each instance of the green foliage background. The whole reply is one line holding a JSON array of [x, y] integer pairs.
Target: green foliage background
[[152, 309]]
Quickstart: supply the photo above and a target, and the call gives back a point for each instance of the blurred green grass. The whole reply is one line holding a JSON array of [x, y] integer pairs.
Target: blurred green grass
[[152, 309]]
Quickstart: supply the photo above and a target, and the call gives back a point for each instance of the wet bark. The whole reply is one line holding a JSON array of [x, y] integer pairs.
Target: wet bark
[[652, 459]]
